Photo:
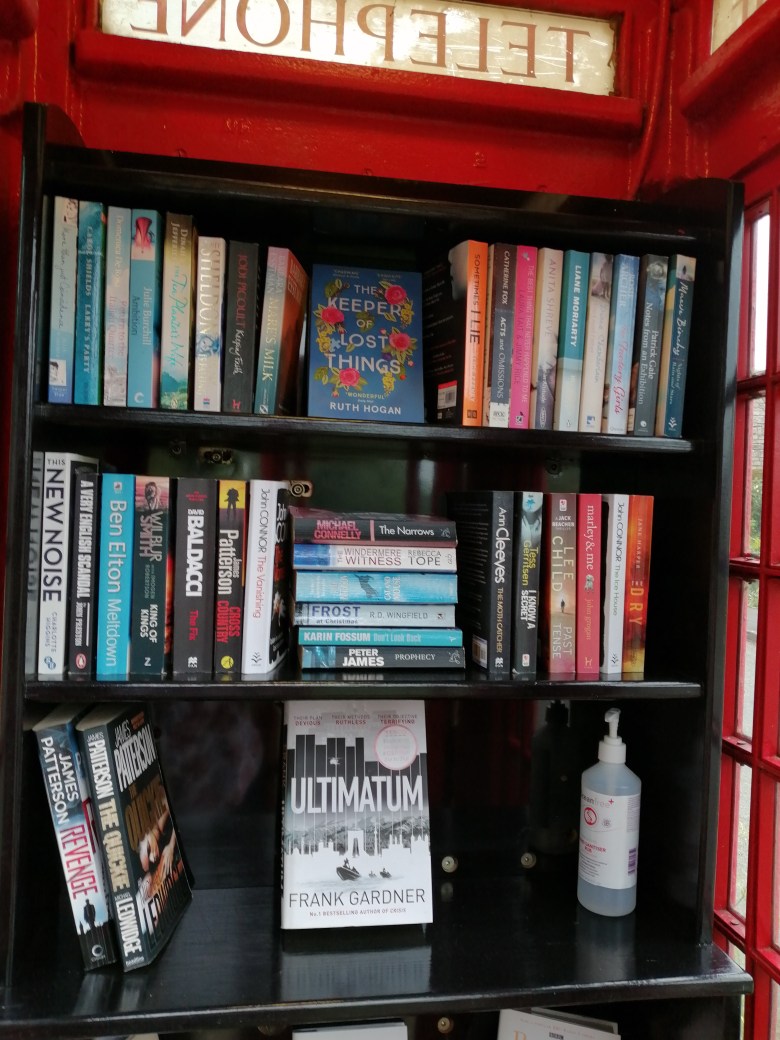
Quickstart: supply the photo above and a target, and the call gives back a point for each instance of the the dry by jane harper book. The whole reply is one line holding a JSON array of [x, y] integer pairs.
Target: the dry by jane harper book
[[355, 828]]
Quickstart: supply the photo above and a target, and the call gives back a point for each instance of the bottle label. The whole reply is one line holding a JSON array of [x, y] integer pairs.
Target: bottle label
[[609, 839]]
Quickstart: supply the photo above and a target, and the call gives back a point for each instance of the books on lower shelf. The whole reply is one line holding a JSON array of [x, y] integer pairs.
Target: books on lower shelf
[[393, 1030], [552, 1024]]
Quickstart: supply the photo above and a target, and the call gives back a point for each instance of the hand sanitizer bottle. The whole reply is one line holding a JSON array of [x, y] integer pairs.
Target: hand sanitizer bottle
[[609, 829]]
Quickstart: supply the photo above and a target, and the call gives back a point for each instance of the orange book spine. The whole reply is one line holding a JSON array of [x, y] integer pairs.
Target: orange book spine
[[476, 332]]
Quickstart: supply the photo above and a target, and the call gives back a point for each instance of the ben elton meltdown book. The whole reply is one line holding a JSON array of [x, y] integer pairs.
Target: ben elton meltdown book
[[355, 826]]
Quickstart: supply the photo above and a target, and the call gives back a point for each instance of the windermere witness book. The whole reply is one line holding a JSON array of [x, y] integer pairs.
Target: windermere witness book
[[365, 344], [283, 316], [361, 557], [544, 1024], [73, 816], [675, 342], [324, 525], [355, 821], [149, 883], [374, 587], [62, 314]]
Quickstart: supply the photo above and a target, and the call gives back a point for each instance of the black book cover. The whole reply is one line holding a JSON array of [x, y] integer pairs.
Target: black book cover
[[241, 313], [529, 514], [230, 575], [83, 573], [193, 589], [152, 566]]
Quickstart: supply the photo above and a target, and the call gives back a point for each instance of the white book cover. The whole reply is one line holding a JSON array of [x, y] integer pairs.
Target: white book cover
[[354, 1031], [209, 303], [541, 1024], [614, 532], [596, 335], [547, 319], [355, 827], [34, 564], [340, 557], [117, 306]]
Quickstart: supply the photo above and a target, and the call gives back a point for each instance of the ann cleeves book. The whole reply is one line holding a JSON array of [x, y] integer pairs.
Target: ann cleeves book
[[365, 344], [149, 884], [355, 823]]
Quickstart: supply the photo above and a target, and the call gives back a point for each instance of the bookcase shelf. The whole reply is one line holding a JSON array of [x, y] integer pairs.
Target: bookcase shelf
[[506, 931]]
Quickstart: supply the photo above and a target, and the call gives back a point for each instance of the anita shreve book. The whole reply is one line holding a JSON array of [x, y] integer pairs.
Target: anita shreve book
[[355, 827]]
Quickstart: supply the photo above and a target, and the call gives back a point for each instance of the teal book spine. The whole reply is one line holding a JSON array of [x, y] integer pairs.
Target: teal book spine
[[143, 355], [376, 587], [91, 265], [620, 344], [177, 312], [571, 345], [115, 582], [381, 636], [674, 346], [117, 306], [62, 313]]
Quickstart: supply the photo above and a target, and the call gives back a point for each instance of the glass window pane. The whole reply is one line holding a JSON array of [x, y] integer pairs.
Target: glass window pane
[[740, 838], [746, 666], [756, 413], [759, 290]]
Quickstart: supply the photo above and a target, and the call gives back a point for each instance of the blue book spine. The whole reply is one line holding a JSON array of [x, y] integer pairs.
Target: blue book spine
[[62, 314], [117, 306], [115, 584], [674, 347], [143, 351], [620, 343], [87, 361], [571, 345], [342, 556], [648, 335], [382, 636], [375, 587]]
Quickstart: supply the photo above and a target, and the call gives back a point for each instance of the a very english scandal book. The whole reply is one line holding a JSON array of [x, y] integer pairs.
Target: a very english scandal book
[[355, 825], [365, 344]]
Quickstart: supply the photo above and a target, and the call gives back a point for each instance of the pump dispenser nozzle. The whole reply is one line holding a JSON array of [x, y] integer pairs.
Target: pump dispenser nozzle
[[611, 747]]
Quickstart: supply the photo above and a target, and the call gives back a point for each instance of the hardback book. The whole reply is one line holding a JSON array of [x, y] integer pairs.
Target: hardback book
[[639, 545], [648, 331], [559, 613], [594, 362], [455, 292], [310, 524], [230, 575], [614, 528], [365, 344], [376, 557], [373, 657], [526, 578], [150, 885], [90, 277], [523, 340], [241, 312], [73, 816], [195, 528], [283, 315], [62, 313], [365, 615], [267, 586], [485, 523], [375, 635], [209, 305], [115, 576], [547, 317], [34, 564], [571, 345], [82, 609], [151, 600], [179, 248], [117, 305], [501, 330], [374, 587], [143, 349], [588, 636], [675, 341], [355, 820], [59, 469], [544, 1024], [392, 1030], [620, 343]]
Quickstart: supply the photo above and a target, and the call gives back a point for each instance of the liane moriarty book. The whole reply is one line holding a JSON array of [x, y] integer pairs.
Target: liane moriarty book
[[355, 826], [365, 344]]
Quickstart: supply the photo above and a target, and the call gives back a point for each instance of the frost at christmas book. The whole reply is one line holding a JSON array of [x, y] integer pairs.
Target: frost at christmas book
[[355, 827]]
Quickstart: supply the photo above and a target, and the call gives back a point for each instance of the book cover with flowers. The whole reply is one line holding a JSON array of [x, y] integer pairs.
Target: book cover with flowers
[[365, 344]]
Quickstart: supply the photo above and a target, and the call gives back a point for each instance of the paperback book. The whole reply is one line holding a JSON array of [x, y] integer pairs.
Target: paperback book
[[62, 313], [526, 576], [675, 342], [620, 342], [523, 339], [547, 318], [588, 634], [559, 614], [83, 573], [34, 564], [374, 587], [594, 360], [281, 327], [367, 658], [324, 525], [571, 347], [355, 822], [143, 351], [544, 1024], [377, 636], [177, 312], [388, 615], [241, 313], [88, 351], [115, 577], [209, 305], [648, 333], [193, 587], [152, 576], [117, 306], [376, 557], [501, 329], [614, 527], [639, 545], [230, 575]]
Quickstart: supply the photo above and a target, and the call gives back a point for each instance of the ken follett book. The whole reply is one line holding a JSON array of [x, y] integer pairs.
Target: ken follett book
[[365, 344], [355, 824]]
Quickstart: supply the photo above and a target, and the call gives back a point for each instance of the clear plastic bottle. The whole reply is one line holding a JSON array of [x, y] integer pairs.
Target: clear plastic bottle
[[609, 829]]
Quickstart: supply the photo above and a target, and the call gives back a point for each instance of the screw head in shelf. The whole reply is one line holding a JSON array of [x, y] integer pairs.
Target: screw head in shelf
[[449, 864], [445, 1025], [528, 860]]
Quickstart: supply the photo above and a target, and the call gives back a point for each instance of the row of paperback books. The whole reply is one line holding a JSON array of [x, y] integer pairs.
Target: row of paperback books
[[148, 313], [554, 581], [536, 1024]]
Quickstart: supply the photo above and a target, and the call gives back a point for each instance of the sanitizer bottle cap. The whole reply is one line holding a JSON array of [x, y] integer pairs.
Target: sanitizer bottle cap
[[611, 747]]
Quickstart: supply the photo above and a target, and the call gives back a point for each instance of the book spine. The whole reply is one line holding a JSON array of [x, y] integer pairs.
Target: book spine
[[34, 564], [574, 302], [523, 338], [374, 557], [638, 555], [87, 362], [143, 349], [526, 582], [614, 525], [381, 636], [474, 333], [355, 615], [296, 289], [241, 306], [367, 587], [560, 613], [622, 316], [193, 593], [83, 573], [504, 268], [151, 551], [594, 362], [117, 306], [371, 657], [230, 568], [648, 331], [270, 343], [62, 315], [209, 304], [266, 623], [115, 579], [72, 815], [176, 322], [674, 347], [547, 317], [350, 528], [588, 635]]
